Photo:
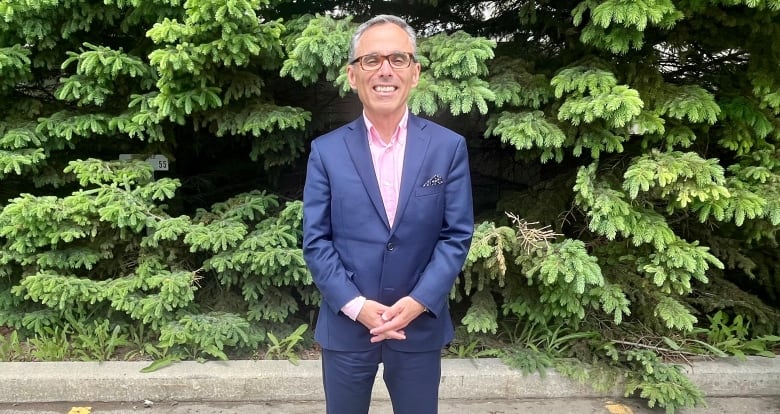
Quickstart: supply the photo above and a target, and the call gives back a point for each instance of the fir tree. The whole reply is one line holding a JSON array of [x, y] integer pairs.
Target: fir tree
[[629, 149]]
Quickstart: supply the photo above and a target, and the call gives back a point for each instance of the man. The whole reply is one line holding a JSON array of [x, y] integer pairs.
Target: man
[[388, 220]]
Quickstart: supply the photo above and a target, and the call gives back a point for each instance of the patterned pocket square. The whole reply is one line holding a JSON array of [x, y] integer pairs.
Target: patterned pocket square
[[435, 180]]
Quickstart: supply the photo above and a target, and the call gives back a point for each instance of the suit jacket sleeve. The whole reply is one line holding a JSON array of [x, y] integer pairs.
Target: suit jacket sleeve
[[326, 267], [436, 281]]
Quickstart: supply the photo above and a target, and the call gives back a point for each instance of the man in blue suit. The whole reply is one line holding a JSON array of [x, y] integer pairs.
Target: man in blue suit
[[388, 220]]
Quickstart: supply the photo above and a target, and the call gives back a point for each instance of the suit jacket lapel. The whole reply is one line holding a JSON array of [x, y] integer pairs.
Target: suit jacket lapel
[[357, 146], [417, 142]]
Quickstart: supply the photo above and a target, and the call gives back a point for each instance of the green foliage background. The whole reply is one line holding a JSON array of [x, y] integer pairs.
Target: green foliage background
[[624, 154]]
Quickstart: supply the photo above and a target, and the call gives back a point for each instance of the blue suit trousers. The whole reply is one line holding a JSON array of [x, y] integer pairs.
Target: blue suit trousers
[[412, 380]]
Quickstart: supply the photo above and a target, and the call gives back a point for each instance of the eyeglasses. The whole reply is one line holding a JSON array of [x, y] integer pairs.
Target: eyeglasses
[[373, 61]]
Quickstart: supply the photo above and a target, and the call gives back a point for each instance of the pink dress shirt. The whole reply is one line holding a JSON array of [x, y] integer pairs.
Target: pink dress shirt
[[388, 159]]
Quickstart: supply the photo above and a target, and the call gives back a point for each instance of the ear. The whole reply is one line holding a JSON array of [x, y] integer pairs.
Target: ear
[[351, 77], [416, 68]]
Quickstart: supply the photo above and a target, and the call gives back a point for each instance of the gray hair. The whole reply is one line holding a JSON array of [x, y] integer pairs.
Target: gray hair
[[382, 19]]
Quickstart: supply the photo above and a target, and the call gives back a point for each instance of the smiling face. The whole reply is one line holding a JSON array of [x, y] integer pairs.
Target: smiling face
[[384, 91]]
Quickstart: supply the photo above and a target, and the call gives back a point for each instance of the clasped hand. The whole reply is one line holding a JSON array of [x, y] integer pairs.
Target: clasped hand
[[388, 322]]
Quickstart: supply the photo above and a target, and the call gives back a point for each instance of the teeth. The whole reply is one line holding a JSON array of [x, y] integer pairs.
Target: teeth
[[384, 88]]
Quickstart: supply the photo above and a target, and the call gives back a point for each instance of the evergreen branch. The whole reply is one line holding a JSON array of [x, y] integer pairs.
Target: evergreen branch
[[653, 348], [530, 238]]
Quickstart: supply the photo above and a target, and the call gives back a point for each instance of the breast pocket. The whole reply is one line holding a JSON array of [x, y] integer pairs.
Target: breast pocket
[[427, 191], [426, 207]]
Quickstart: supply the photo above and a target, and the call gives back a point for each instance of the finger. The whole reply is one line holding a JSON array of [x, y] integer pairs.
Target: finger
[[397, 335], [394, 335], [392, 326], [389, 314]]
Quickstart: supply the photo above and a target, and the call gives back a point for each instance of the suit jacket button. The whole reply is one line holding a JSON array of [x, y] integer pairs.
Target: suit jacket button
[[390, 247]]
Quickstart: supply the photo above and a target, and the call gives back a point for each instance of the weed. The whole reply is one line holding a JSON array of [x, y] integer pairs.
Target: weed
[[286, 348]]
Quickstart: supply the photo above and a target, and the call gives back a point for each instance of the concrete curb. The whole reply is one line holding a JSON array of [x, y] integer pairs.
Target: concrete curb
[[245, 381]]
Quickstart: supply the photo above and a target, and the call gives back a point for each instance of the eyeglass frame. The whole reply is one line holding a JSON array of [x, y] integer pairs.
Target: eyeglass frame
[[384, 58]]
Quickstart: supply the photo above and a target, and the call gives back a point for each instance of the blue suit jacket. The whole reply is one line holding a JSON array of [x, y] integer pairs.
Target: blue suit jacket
[[351, 250]]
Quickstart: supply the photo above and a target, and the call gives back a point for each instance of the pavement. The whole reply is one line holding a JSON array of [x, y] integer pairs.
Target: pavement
[[467, 386]]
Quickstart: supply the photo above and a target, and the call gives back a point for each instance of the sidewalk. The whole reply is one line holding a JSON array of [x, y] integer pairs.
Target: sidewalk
[[731, 405], [282, 382]]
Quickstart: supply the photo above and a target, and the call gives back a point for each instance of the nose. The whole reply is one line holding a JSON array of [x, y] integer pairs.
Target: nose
[[385, 69]]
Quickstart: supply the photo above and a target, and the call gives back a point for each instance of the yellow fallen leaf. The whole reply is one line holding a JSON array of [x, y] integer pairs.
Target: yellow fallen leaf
[[615, 408], [80, 410]]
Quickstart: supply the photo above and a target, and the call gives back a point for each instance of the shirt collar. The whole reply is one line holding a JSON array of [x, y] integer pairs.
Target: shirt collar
[[398, 136]]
